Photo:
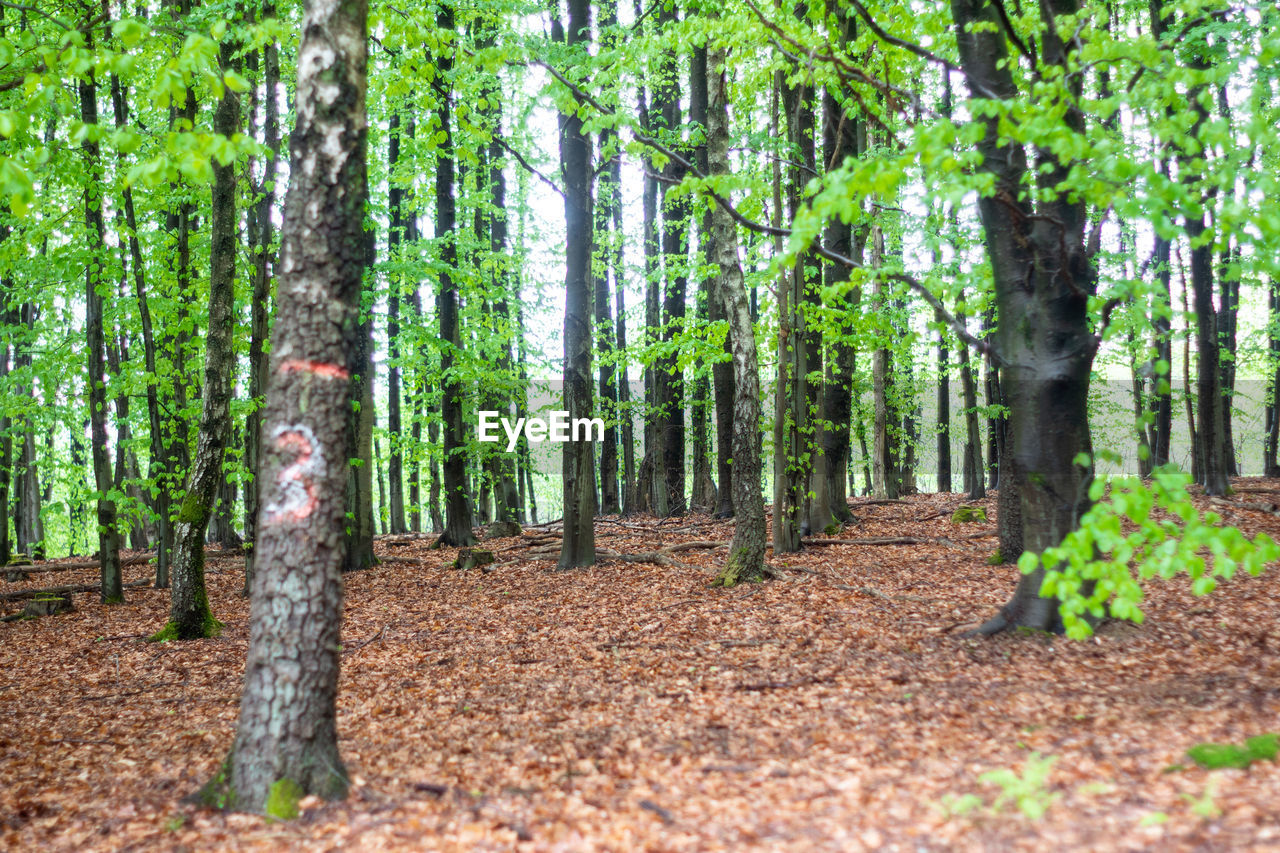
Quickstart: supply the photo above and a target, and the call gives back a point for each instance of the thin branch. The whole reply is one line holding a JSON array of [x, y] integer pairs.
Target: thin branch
[[1013, 36], [528, 167]]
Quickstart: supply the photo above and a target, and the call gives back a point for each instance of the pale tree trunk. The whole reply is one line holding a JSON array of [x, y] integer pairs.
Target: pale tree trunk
[[189, 614], [746, 551], [296, 615], [578, 461]]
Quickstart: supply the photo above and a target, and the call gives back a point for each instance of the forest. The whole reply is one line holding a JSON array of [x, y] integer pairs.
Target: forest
[[673, 425]]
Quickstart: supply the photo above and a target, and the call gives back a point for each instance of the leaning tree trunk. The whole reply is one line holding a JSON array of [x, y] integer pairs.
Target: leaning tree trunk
[[189, 614], [108, 536], [746, 551], [286, 741], [578, 546]]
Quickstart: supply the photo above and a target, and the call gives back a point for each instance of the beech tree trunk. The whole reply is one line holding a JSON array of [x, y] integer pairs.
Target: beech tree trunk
[[1043, 276], [189, 614], [261, 228], [746, 551], [395, 427], [458, 517], [108, 537], [287, 728], [578, 546]]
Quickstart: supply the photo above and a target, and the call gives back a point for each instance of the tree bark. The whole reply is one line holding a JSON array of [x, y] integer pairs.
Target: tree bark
[[1043, 276], [458, 517], [264, 263], [189, 614], [746, 551], [395, 296], [578, 461], [287, 728]]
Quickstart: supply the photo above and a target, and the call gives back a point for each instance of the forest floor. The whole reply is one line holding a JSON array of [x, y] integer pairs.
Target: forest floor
[[631, 706]]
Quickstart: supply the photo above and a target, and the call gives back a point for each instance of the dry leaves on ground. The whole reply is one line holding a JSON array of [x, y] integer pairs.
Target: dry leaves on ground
[[633, 707]]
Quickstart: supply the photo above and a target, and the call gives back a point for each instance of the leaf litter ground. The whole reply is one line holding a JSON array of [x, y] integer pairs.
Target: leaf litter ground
[[631, 706]]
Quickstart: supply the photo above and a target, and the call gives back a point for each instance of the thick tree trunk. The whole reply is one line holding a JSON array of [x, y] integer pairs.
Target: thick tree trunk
[[108, 537], [1271, 447], [944, 413], [746, 551], [287, 728], [363, 414], [6, 442], [189, 614], [578, 473], [1043, 277]]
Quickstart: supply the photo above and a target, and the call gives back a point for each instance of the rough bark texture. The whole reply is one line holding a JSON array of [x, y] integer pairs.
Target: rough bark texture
[[578, 460], [189, 615], [746, 551], [108, 537], [287, 727]]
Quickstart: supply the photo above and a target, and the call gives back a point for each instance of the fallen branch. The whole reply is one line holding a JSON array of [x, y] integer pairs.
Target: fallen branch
[[883, 540], [875, 593], [64, 590]]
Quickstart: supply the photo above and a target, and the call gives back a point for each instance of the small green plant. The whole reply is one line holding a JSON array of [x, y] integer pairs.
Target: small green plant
[[996, 558], [1215, 756], [952, 806], [175, 823], [1204, 805], [1154, 819], [1027, 791]]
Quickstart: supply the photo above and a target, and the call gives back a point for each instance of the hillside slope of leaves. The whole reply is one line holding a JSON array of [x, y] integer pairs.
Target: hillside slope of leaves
[[633, 707]]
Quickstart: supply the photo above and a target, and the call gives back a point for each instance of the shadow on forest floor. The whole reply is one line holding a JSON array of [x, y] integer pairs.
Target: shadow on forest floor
[[631, 706]]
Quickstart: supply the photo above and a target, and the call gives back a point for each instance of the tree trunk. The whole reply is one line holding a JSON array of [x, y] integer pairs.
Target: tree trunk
[[6, 441], [108, 537], [746, 551], [1271, 447], [395, 295], [975, 484], [264, 262], [578, 461], [189, 614], [1043, 277], [458, 519], [291, 734]]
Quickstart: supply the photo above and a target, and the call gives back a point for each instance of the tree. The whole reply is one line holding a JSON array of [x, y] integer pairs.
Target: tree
[[189, 614], [578, 460], [286, 739]]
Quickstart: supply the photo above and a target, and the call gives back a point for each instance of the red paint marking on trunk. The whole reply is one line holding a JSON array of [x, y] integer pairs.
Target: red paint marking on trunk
[[296, 494], [319, 368]]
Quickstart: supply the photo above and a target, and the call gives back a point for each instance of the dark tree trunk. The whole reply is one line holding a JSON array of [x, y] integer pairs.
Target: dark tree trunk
[[652, 496], [944, 413], [458, 518], [291, 734], [363, 414], [1042, 276], [395, 296], [604, 215], [578, 461], [506, 492], [6, 442], [1271, 447], [264, 262], [746, 551], [675, 280], [108, 537], [189, 614], [159, 423], [844, 136]]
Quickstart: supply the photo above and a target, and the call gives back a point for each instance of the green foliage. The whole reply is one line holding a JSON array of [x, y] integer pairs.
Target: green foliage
[[1028, 791], [1218, 755], [1097, 568]]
